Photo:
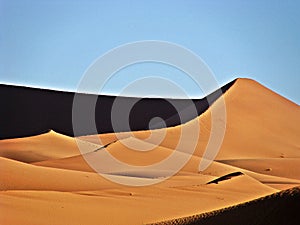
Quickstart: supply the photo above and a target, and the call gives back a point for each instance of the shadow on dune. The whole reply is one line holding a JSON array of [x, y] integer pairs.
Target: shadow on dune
[[276, 209], [29, 111]]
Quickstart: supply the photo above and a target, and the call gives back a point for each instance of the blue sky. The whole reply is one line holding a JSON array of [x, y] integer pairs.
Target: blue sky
[[51, 43]]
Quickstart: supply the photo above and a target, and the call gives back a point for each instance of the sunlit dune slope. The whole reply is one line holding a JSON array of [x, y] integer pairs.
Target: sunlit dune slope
[[282, 167], [124, 205], [49, 178], [21, 176], [260, 124], [276, 209], [50, 145]]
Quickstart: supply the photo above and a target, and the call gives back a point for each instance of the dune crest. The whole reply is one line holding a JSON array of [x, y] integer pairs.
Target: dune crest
[[48, 178], [49, 145]]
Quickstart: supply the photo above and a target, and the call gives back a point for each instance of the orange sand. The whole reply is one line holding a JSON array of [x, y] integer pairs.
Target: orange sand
[[45, 179]]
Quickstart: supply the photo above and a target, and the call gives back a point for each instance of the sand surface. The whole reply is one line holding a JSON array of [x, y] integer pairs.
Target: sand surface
[[45, 179]]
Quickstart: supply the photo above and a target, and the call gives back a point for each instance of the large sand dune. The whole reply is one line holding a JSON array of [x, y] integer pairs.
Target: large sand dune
[[45, 179], [30, 111]]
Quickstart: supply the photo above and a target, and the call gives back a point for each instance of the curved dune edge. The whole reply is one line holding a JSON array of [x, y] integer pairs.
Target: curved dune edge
[[215, 170], [50, 109], [46, 146], [260, 124], [275, 209], [46, 180], [251, 133]]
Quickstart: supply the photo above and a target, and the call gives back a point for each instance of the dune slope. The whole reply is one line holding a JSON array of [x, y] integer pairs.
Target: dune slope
[[276, 209], [47, 179]]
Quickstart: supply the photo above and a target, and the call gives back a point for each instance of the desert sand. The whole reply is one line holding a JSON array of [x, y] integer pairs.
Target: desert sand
[[45, 179]]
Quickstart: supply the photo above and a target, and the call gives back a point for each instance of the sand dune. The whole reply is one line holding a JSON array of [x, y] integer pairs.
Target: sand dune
[[50, 145], [124, 205], [258, 138], [215, 170], [276, 209], [45, 179], [30, 111], [283, 167], [251, 130], [260, 124], [21, 176]]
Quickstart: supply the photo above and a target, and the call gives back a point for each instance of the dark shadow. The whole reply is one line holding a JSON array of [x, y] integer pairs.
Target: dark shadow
[[29, 111]]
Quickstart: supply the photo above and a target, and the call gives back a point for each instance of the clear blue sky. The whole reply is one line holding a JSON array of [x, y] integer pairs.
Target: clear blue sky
[[51, 43]]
